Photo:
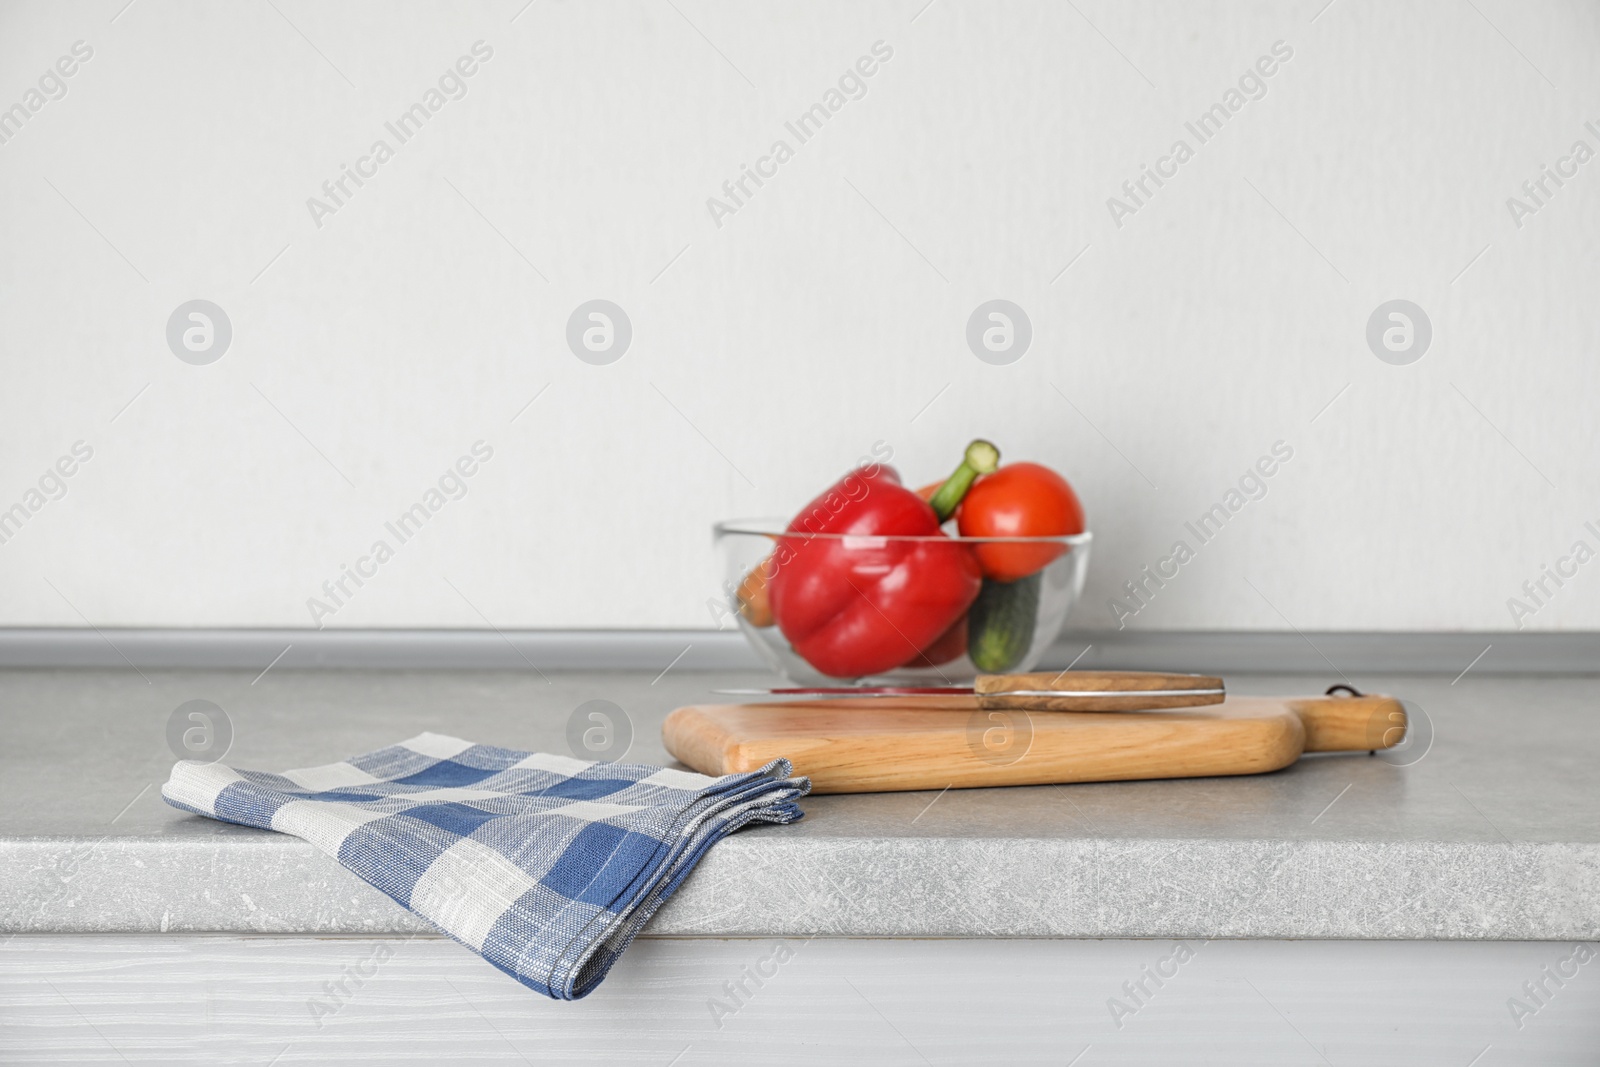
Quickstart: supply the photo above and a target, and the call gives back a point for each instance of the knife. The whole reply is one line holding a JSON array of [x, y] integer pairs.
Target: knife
[[1042, 691]]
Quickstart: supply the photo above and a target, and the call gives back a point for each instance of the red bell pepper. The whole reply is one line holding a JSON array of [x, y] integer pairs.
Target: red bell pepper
[[850, 595], [950, 645]]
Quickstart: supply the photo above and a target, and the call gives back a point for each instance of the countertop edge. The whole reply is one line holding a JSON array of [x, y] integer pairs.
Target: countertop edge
[[767, 886]]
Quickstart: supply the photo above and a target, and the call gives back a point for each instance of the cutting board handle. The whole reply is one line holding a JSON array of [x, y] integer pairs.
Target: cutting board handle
[[1351, 724]]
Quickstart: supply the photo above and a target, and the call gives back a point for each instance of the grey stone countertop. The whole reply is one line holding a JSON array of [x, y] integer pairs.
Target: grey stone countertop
[[1488, 829]]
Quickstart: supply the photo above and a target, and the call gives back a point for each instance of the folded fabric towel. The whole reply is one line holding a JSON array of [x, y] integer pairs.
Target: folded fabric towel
[[546, 866]]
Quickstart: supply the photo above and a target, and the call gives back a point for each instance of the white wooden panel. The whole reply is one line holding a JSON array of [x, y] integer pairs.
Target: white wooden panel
[[162, 999]]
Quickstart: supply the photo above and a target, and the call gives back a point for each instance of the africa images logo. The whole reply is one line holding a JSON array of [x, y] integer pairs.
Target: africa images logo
[[452, 85], [52, 86], [852, 85], [1252, 86]]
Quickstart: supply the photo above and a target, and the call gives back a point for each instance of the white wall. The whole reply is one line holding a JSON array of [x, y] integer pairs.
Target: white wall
[[1220, 318]]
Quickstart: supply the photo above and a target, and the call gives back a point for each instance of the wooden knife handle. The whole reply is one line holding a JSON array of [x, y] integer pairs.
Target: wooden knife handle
[[1097, 690]]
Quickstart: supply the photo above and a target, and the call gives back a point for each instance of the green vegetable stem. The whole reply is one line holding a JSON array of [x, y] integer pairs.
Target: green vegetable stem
[[981, 458]]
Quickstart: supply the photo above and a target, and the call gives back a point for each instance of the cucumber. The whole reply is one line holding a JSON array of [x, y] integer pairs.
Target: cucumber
[[1000, 623]]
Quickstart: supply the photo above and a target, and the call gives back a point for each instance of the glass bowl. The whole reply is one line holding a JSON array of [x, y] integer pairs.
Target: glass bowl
[[1015, 622]]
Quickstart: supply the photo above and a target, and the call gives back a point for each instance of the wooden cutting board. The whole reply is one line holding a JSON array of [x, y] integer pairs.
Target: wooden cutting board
[[885, 744]]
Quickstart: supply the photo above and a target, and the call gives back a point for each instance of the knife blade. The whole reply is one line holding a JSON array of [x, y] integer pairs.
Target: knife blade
[[1041, 691]]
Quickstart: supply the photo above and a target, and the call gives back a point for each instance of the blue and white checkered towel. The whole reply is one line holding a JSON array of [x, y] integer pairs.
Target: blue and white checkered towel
[[544, 865]]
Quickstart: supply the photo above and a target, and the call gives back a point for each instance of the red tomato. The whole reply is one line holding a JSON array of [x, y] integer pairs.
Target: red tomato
[[1019, 500]]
